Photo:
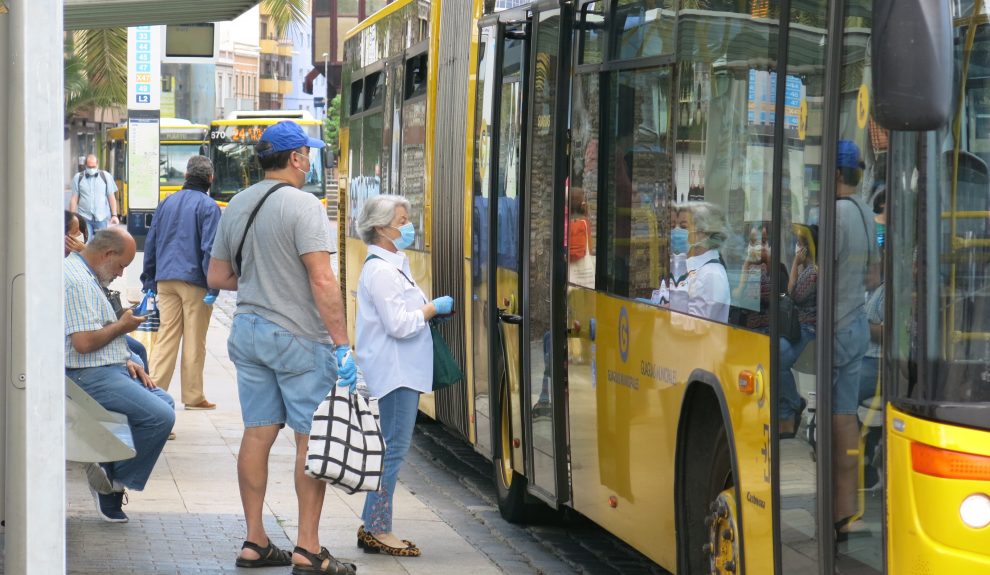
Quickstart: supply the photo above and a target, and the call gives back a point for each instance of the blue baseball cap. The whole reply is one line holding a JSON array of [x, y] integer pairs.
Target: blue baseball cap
[[285, 136], [847, 155]]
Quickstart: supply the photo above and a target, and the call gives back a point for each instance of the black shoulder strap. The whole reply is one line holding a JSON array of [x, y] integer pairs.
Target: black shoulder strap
[[103, 176], [240, 248]]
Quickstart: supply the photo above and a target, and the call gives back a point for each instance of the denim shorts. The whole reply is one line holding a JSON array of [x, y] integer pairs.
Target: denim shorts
[[848, 348], [281, 377]]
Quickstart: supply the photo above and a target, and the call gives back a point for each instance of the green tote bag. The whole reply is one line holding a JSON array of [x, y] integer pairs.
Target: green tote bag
[[446, 372]]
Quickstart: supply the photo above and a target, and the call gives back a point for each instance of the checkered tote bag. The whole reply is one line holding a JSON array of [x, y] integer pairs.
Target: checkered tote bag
[[346, 447]]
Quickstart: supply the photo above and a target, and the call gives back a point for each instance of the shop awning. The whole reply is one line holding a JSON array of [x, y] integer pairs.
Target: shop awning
[[82, 14]]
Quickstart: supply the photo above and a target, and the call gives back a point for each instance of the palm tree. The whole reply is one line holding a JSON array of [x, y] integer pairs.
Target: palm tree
[[95, 69], [284, 15]]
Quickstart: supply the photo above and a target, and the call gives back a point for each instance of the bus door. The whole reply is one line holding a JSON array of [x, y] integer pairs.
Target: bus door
[[505, 239], [544, 262]]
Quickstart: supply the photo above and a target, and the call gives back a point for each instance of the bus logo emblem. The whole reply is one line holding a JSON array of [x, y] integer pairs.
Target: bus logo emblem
[[624, 334]]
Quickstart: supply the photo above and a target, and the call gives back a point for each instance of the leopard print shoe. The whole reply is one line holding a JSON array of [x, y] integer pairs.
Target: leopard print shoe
[[370, 544]]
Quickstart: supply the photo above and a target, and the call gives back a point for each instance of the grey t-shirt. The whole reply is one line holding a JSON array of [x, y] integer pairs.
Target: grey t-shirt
[[855, 250], [274, 283]]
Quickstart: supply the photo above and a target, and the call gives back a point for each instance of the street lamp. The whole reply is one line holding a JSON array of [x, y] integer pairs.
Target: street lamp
[[326, 84]]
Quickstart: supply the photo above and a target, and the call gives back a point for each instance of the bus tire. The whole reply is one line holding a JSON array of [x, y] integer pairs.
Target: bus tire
[[706, 491], [510, 487]]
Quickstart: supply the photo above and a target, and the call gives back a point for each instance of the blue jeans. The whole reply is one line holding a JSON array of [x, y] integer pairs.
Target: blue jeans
[[848, 348], [398, 418], [93, 225], [150, 415], [789, 399], [137, 349]]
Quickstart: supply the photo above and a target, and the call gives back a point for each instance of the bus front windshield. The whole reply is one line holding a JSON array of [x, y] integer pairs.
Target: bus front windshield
[[172, 160], [236, 166]]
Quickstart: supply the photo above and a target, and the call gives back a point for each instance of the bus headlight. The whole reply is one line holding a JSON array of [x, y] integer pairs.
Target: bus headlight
[[975, 511]]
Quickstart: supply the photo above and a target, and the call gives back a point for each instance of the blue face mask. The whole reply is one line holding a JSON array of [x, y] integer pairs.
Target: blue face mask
[[679, 241], [881, 234], [407, 238], [91, 171]]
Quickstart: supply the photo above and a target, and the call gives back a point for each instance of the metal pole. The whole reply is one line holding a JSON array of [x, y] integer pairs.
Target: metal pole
[[32, 351]]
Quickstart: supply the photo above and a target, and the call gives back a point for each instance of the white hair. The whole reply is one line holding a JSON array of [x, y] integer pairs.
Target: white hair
[[378, 212], [709, 219]]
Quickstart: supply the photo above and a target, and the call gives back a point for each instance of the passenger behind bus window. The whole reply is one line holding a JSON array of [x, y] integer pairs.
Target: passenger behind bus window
[[752, 294], [703, 289], [802, 286], [581, 262]]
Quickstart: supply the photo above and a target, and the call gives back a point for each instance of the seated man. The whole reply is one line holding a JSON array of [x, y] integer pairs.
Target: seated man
[[97, 359]]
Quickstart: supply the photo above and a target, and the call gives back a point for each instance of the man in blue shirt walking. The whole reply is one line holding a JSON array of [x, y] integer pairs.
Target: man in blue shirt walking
[[93, 197], [176, 259]]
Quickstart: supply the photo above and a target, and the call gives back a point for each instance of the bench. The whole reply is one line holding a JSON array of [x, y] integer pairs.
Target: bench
[[93, 434]]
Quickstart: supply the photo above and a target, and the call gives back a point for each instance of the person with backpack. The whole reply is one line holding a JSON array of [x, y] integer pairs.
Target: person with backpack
[[93, 197]]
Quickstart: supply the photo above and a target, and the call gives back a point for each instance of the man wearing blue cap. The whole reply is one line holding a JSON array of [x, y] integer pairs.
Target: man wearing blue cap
[[288, 340], [856, 265]]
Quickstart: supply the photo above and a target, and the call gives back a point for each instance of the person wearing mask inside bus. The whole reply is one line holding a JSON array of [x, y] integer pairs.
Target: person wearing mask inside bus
[[703, 288], [395, 350], [802, 285], [857, 266], [93, 197]]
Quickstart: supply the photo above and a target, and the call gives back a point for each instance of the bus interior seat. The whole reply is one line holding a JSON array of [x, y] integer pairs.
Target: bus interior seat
[[93, 434]]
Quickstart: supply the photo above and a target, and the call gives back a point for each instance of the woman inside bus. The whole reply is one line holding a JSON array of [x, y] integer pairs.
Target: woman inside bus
[[395, 350], [802, 286], [581, 263], [703, 290]]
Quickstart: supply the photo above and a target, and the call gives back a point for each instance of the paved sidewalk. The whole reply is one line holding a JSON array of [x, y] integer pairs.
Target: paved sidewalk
[[188, 519]]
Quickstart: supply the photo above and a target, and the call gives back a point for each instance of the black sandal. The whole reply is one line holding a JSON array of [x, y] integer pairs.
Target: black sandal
[[322, 562], [270, 556]]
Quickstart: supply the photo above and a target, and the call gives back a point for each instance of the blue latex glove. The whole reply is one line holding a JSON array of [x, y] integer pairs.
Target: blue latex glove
[[444, 304], [151, 293], [210, 298], [346, 370]]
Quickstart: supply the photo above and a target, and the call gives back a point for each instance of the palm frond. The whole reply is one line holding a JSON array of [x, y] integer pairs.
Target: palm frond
[[104, 56], [284, 15]]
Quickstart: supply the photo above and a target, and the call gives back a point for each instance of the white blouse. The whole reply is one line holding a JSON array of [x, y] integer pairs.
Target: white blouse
[[394, 346], [704, 289]]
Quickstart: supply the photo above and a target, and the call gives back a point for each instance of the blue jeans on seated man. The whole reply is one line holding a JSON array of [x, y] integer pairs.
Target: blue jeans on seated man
[[398, 418], [137, 349], [790, 399], [150, 415]]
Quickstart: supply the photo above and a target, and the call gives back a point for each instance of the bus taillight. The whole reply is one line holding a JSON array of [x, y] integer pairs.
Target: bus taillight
[[949, 464]]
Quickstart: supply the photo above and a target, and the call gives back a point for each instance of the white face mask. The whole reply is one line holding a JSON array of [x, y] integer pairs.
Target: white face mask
[[79, 238]]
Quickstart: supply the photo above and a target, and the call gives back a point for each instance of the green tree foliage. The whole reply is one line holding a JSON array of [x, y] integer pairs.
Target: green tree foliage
[[95, 69], [285, 15], [331, 126]]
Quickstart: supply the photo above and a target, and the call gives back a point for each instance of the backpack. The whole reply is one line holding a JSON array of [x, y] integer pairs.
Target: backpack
[[103, 176]]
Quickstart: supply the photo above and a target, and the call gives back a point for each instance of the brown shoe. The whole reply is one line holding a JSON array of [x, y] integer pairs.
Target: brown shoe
[[203, 405], [171, 436], [370, 544]]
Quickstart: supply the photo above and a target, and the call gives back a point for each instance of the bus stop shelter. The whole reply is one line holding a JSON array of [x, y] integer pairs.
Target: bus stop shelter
[[32, 355]]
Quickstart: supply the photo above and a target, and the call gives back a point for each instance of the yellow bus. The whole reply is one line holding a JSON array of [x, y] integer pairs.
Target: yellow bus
[[178, 141], [818, 151], [232, 151]]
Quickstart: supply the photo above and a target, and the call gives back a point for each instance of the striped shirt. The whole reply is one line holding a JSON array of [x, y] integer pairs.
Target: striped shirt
[[88, 309]]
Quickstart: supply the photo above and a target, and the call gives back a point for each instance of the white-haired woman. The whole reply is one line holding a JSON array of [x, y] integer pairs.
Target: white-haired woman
[[703, 290], [395, 350]]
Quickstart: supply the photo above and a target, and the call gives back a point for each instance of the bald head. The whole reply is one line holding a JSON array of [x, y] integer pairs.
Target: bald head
[[91, 161], [109, 252]]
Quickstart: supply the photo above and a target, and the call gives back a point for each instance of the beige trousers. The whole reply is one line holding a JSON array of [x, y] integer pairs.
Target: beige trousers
[[184, 317]]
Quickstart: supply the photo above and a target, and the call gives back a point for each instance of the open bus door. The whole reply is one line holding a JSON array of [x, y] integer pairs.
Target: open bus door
[[518, 241]]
